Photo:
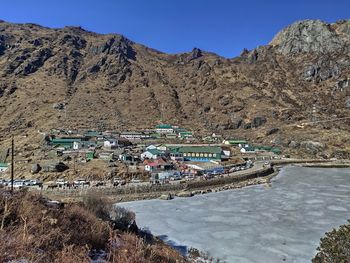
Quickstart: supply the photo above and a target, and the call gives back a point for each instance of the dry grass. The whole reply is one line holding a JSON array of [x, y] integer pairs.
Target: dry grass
[[33, 231]]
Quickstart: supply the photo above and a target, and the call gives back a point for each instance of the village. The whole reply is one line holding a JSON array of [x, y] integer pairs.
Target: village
[[166, 154]]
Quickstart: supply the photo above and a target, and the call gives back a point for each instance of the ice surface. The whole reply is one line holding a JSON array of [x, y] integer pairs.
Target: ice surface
[[255, 224]]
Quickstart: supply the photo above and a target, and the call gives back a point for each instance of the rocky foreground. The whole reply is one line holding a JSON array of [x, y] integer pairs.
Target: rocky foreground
[[34, 229]]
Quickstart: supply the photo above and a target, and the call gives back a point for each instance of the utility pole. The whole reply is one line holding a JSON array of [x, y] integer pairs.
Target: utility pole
[[12, 162]]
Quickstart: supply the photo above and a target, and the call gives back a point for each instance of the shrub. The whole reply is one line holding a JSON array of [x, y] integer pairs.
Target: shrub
[[335, 246], [33, 231], [123, 219], [97, 205]]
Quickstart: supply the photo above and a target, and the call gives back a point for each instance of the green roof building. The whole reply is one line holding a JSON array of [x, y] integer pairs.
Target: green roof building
[[89, 156], [171, 135], [185, 134], [65, 142], [3, 167], [235, 142], [164, 128], [201, 153]]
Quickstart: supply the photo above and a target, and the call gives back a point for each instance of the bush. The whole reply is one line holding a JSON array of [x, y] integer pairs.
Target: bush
[[335, 246], [123, 219], [31, 230], [98, 206]]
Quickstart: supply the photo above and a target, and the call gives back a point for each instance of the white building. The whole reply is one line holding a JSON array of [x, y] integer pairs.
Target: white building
[[164, 128], [3, 167], [134, 135], [77, 145], [151, 154], [110, 143]]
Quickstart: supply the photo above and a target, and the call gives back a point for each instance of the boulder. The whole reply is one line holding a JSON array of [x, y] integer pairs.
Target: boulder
[[55, 167], [67, 158], [309, 72], [272, 131], [247, 126], [236, 123], [58, 106], [35, 168], [347, 103], [113, 172], [166, 197], [294, 144], [312, 147], [258, 121], [184, 194]]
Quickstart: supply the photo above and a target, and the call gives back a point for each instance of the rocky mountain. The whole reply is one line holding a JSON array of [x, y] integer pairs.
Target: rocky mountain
[[72, 78]]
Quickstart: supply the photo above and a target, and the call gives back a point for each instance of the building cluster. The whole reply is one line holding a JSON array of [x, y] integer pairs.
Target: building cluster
[[164, 152]]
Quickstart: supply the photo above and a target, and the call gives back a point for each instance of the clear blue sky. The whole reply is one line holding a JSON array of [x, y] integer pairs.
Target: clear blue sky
[[221, 26]]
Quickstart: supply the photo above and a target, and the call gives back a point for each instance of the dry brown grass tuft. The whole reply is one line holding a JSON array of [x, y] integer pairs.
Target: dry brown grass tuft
[[32, 230]]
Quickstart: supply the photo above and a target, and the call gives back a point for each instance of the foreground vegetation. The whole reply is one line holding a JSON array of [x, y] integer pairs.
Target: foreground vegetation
[[34, 229], [335, 246]]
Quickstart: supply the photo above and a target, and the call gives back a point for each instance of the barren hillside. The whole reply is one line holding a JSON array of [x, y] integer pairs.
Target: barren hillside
[[72, 78]]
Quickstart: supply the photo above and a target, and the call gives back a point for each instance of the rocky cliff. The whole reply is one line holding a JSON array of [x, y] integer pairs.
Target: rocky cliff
[[72, 78]]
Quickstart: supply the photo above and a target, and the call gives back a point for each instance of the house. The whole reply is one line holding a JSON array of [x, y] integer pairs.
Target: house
[[151, 147], [125, 157], [185, 134], [201, 153], [110, 143], [164, 128], [171, 135], [150, 167], [247, 149], [175, 154], [151, 154], [92, 134], [134, 135], [67, 143], [238, 143], [162, 147], [157, 164], [89, 155], [3, 167], [77, 145]]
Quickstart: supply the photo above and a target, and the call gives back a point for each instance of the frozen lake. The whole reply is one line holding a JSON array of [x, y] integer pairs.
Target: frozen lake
[[255, 224]]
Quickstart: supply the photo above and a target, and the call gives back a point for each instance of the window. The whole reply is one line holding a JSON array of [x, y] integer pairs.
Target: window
[[185, 154], [206, 155], [193, 155], [197, 154], [210, 155], [201, 155], [214, 154]]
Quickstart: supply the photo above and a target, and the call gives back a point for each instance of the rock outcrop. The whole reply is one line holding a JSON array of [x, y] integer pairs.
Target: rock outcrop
[[54, 167], [312, 36], [312, 147]]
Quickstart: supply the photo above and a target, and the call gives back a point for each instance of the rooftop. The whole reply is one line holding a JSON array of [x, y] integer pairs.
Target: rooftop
[[200, 149], [164, 126]]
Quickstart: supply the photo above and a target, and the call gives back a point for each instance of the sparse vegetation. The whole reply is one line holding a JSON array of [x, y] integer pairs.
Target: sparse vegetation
[[335, 246], [36, 230]]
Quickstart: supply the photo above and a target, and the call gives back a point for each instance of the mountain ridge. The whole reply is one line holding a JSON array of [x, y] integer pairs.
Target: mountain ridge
[[106, 81]]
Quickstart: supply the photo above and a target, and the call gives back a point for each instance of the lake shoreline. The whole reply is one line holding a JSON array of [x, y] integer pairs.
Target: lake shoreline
[[295, 205], [236, 180]]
